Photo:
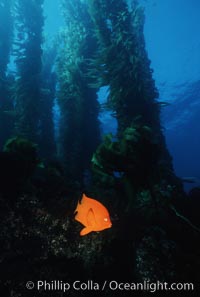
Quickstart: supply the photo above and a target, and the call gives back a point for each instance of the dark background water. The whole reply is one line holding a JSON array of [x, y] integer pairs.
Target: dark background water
[[173, 45]]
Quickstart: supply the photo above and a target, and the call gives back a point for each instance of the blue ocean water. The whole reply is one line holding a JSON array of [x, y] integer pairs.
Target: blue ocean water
[[173, 45]]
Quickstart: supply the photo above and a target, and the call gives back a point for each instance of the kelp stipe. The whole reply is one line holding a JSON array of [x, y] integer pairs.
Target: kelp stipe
[[6, 79], [79, 126], [29, 23]]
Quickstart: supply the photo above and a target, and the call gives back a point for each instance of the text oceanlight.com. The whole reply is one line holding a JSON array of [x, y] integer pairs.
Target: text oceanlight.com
[[112, 285]]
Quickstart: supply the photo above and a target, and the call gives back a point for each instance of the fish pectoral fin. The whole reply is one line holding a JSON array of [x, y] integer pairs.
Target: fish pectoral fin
[[85, 231], [91, 218]]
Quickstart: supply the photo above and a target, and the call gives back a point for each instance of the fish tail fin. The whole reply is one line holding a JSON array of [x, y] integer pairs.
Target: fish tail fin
[[85, 231], [76, 210], [79, 202], [83, 196], [77, 207]]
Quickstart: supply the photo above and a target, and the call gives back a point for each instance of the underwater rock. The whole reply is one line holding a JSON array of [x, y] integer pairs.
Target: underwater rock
[[155, 257], [17, 163]]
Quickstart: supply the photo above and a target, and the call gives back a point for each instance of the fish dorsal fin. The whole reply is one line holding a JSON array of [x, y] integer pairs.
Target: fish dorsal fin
[[91, 218]]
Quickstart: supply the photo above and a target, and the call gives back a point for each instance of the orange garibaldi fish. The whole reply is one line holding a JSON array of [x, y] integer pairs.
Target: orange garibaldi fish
[[93, 215]]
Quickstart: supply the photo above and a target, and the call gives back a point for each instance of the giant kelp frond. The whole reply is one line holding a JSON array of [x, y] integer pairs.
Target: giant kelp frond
[[77, 101], [6, 38], [28, 59], [5, 34], [121, 61]]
